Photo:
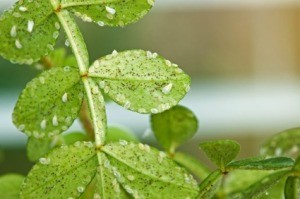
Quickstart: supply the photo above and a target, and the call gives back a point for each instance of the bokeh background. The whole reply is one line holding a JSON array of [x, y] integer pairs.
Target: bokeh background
[[243, 56]]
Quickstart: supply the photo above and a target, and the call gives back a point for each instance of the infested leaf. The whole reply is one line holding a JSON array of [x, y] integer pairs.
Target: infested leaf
[[28, 31], [140, 81], [174, 126], [37, 148], [111, 13], [262, 164], [116, 133], [220, 152], [259, 188], [10, 186], [116, 171], [210, 185], [284, 143], [50, 103]]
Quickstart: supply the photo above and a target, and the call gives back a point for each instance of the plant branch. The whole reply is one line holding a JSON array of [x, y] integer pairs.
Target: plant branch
[[86, 121]]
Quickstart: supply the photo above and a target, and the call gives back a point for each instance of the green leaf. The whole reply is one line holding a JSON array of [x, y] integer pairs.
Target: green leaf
[[210, 185], [262, 164], [111, 12], [57, 58], [220, 152], [117, 133], [283, 143], [140, 81], [37, 148], [292, 188], [261, 187], [118, 170], [192, 164], [173, 127], [50, 103], [28, 31], [10, 186]]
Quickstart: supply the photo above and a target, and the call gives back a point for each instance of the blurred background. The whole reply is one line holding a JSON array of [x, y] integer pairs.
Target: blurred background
[[243, 56]]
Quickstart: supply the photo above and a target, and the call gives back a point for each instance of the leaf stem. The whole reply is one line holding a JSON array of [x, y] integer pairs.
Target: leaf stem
[[95, 101]]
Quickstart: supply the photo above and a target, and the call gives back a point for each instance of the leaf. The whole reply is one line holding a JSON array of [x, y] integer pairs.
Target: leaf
[[57, 58], [62, 173], [292, 188], [284, 143], [114, 171], [220, 152], [37, 148], [50, 103], [117, 133], [262, 164], [210, 185], [111, 12], [28, 31], [261, 187], [140, 81], [10, 186], [173, 127], [192, 164]]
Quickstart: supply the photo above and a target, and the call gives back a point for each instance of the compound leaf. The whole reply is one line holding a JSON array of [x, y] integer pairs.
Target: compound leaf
[[262, 164], [117, 170], [111, 12], [173, 127], [50, 103], [284, 143], [28, 31], [140, 81], [10, 186], [221, 152]]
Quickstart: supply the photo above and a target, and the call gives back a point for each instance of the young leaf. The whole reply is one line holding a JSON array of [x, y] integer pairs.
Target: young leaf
[[111, 13], [210, 185], [117, 133], [262, 164], [140, 81], [292, 188], [261, 187], [173, 127], [220, 152], [118, 170], [283, 143], [28, 31], [10, 186], [50, 103]]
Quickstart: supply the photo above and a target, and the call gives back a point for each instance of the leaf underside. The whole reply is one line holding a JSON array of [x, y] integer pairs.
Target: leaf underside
[[111, 12], [119, 170], [139, 82], [28, 31], [50, 103], [173, 127]]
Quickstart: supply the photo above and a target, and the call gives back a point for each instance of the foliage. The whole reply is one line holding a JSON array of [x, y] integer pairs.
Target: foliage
[[109, 162]]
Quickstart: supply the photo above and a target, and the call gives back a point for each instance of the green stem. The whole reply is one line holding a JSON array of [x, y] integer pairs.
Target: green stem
[[95, 100], [192, 164]]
